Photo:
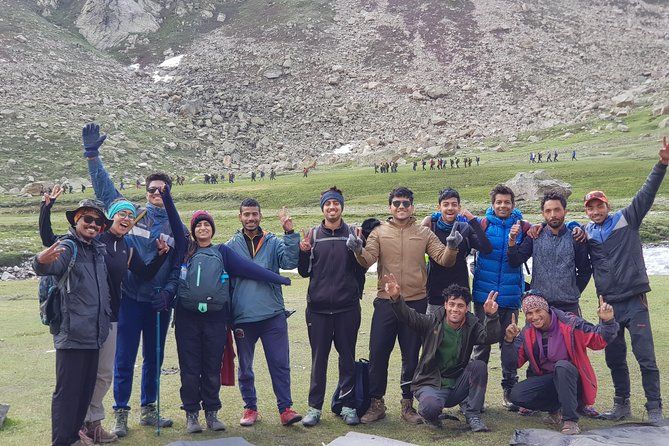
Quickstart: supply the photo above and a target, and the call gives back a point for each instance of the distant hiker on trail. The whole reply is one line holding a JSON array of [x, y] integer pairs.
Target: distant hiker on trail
[[423, 162], [253, 175], [70, 188], [573, 155], [457, 163], [621, 280], [376, 168], [399, 245], [305, 172], [531, 157], [336, 283], [414, 165], [142, 298], [138, 184], [432, 164], [83, 318], [231, 177], [272, 174], [262, 175], [259, 312], [445, 376], [560, 377], [478, 158], [555, 155], [121, 185], [548, 156], [452, 163], [539, 155]]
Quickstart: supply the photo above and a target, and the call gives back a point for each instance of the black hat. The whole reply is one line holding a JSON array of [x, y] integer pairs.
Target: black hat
[[93, 205]]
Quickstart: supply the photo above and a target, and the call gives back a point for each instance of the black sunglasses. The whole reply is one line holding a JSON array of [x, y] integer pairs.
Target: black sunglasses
[[405, 203], [89, 219], [152, 190]]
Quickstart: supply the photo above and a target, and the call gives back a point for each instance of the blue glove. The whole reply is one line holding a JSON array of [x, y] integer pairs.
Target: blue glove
[[162, 300], [286, 281], [92, 140]]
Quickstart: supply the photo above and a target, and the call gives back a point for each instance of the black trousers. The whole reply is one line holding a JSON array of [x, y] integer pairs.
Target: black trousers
[[574, 308], [633, 315], [385, 328], [76, 372], [200, 344], [324, 329], [482, 352], [550, 392]]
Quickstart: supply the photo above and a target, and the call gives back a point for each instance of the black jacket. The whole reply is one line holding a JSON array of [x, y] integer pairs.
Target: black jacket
[[85, 310], [336, 278]]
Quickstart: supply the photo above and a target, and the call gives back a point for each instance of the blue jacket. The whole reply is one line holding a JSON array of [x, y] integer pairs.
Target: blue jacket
[[141, 239], [254, 301], [493, 271]]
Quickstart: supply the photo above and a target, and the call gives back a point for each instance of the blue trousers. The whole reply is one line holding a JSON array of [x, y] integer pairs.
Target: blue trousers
[[273, 333], [137, 319]]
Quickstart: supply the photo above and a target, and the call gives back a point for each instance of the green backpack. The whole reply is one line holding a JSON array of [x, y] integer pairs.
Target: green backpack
[[204, 285]]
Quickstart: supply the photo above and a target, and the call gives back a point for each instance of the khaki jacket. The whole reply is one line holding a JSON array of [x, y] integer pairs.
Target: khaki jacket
[[401, 251]]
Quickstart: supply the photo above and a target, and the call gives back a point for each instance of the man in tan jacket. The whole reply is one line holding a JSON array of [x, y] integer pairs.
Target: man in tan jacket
[[399, 246]]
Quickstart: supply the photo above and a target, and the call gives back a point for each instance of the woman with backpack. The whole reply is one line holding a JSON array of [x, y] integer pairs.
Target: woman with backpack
[[202, 312]]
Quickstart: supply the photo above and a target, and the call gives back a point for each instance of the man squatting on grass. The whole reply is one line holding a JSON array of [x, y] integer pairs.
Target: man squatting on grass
[[336, 283], [554, 343], [620, 278], [445, 376], [399, 246]]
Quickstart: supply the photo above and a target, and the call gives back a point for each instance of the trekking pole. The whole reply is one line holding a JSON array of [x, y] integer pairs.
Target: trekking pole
[[158, 371]]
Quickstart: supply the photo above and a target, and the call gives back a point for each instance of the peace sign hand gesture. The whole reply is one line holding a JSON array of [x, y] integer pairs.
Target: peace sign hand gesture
[[490, 306], [391, 286], [605, 311], [50, 254], [305, 243], [47, 198], [512, 331]]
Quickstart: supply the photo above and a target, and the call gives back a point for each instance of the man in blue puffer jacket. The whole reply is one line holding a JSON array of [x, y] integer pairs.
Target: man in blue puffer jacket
[[141, 299], [494, 273], [259, 312]]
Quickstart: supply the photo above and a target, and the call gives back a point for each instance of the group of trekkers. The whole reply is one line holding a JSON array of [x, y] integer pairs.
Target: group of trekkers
[[122, 269]]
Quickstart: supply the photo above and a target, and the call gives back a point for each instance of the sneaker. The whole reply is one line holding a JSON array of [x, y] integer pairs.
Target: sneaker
[[149, 417], [506, 401], [589, 411], [553, 418], [249, 417], [289, 416], [213, 423], [120, 428], [350, 416], [655, 416], [477, 425], [433, 424], [376, 411], [95, 431], [193, 423], [570, 428], [524, 411], [621, 409], [312, 418], [409, 414]]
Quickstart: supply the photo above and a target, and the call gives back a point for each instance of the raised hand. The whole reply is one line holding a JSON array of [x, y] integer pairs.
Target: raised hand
[[454, 239], [286, 221], [605, 311], [533, 232], [305, 243], [55, 193], [391, 286], [512, 331], [664, 152], [354, 243], [50, 254], [163, 247], [513, 233], [490, 306], [92, 139], [465, 213]]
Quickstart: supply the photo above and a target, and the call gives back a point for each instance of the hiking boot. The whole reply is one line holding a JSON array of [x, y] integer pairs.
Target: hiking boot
[[149, 417], [655, 416], [289, 416], [84, 439], [312, 418], [409, 414], [95, 431], [213, 423], [526, 412], [506, 401], [553, 418], [621, 410], [588, 411], [350, 416], [477, 425], [376, 411], [193, 423], [249, 417], [570, 428], [120, 428]]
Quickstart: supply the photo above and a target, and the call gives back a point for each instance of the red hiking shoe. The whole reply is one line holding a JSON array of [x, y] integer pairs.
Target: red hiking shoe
[[289, 416], [249, 417]]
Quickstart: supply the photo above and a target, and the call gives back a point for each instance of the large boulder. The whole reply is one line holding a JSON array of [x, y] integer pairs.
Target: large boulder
[[36, 188], [533, 185]]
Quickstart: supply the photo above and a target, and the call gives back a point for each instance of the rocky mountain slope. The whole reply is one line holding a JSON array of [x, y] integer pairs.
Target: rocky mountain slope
[[284, 82]]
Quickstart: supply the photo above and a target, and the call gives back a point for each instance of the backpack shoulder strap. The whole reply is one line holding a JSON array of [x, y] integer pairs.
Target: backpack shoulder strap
[[65, 279]]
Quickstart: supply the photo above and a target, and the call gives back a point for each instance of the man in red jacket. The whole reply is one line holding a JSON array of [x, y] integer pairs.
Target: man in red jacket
[[559, 373]]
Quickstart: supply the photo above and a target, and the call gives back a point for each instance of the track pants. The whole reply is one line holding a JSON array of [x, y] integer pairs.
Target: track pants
[[96, 410]]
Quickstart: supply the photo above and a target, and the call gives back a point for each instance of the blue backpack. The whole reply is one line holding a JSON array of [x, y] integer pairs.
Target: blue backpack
[[48, 292], [204, 285], [361, 397]]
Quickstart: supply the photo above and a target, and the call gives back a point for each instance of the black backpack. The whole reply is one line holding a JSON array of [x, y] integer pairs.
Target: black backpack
[[204, 285], [360, 389], [48, 292]]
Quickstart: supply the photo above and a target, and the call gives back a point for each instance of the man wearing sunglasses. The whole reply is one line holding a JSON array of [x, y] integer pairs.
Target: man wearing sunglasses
[[142, 297], [399, 246], [621, 280]]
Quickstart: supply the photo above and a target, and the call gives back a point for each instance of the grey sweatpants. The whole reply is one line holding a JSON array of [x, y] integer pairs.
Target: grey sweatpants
[[96, 410]]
